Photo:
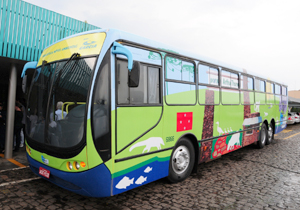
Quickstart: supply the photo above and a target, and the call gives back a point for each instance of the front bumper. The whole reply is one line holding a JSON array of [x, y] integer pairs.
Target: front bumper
[[95, 182]]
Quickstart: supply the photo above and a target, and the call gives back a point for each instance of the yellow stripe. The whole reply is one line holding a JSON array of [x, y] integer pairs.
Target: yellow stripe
[[291, 136], [16, 162], [13, 161]]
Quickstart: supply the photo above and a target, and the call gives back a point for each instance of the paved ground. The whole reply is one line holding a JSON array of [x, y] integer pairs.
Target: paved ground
[[18, 160], [249, 178]]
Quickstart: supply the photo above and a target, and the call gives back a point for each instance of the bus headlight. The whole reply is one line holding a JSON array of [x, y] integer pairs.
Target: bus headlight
[[69, 166], [76, 165]]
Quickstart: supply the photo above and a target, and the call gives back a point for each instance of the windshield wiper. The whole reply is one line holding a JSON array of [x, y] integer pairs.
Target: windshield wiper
[[73, 56]]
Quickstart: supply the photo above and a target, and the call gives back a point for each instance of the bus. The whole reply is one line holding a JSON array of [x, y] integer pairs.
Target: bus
[[109, 111]]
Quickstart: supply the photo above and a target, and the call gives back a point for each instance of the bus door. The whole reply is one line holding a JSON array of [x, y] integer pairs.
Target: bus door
[[136, 120], [138, 108]]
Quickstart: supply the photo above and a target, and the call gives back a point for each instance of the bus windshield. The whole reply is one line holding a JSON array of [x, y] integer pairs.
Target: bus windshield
[[57, 102]]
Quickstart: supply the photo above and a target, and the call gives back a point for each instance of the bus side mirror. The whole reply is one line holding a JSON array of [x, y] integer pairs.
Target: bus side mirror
[[134, 75], [28, 65]]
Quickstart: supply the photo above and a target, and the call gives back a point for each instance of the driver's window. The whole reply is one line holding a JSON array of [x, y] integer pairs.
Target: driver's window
[[148, 90]]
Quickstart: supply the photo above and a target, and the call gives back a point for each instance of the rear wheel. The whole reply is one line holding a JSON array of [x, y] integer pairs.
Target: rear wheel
[[263, 136], [270, 134], [182, 161]]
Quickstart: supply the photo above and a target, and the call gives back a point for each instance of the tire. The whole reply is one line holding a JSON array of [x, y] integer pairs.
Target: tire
[[182, 161], [270, 134], [263, 136]]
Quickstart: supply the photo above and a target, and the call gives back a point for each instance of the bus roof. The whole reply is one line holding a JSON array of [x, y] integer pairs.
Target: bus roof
[[115, 35]]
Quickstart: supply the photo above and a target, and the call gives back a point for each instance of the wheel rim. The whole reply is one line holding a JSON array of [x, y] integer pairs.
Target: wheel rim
[[263, 135], [180, 159], [270, 133]]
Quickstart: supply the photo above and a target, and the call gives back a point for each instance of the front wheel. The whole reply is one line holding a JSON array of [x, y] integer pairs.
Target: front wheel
[[263, 136], [270, 135], [182, 161]]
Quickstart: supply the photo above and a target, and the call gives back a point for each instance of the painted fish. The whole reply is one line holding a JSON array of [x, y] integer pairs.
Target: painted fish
[[141, 180], [124, 183], [148, 169]]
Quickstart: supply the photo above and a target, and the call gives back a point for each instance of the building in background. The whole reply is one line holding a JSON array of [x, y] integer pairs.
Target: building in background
[[294, 93], [25, 30], [294, 100]]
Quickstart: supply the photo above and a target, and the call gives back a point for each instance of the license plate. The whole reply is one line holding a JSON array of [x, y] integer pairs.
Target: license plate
[[44, 172]]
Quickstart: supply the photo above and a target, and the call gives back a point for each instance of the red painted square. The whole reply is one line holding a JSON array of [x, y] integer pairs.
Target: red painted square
[[184, 121]]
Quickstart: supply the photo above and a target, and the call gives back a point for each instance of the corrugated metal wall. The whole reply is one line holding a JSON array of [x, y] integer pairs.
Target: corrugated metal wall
[[26, 29]]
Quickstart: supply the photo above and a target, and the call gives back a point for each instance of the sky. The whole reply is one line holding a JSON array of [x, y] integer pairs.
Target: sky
[[261, 36]]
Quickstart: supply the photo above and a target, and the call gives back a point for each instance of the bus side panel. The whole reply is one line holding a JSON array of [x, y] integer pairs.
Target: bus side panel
[[228, 127], [225, 128], [231, 119], [141, 161], [140, 174], [220, 146]]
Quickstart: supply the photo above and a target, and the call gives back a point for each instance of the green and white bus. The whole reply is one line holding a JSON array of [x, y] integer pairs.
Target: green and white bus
[[109, 111]]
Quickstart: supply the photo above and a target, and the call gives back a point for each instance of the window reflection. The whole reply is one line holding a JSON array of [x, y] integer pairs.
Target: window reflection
[[62, 117]]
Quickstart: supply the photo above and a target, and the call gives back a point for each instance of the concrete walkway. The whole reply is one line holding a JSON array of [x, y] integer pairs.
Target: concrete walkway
[[19, 160]]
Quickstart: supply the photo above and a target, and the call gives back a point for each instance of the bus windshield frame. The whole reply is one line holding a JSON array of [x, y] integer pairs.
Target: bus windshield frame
[[56, 112]]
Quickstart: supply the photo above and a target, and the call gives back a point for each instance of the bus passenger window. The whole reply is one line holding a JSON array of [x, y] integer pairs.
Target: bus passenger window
[[173, 68], [277, 89], [260, 85], [270, 87], [208, 75], [284, 92], [188, 71], [247, 87], [176, 69], [270, 92], [230, 84], [277, 93], [230, 79], [260, 89], [246, 82], [208, 80]]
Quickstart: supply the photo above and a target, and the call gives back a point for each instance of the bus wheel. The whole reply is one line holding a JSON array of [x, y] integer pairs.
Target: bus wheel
[[270, 135], [182, 161], [263, 136]]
